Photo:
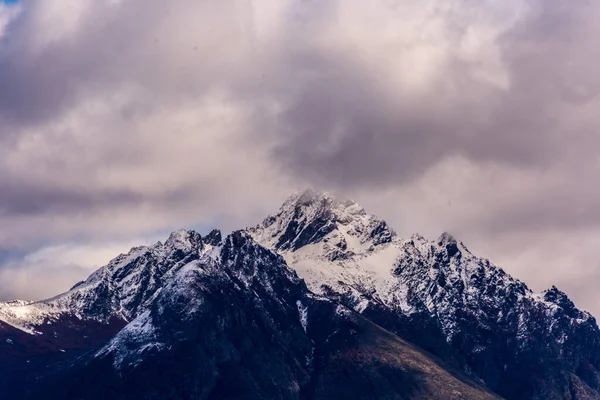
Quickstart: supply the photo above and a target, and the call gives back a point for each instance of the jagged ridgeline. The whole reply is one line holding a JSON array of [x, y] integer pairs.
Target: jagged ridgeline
[[319, 301]]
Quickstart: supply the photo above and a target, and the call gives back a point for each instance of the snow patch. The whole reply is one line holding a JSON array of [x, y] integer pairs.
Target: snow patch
[[303, 311], [129, 344]]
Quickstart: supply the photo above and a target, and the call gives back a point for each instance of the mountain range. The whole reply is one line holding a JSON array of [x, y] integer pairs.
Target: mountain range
[[319, 301]]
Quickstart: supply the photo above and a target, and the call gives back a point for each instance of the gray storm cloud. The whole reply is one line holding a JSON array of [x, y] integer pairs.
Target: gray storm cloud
[[119, 118], [369, 131]]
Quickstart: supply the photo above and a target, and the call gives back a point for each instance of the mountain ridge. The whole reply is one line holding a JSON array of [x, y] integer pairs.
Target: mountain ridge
[[238, 323], [468, 313]]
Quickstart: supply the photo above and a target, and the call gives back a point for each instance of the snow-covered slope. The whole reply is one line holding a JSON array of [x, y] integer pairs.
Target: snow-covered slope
[[120, 290], [426, 290], [331, 243]]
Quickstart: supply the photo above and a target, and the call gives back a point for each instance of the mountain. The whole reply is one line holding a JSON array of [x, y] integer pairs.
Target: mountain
[[319, 301], [118, 291], [440, 296], [237, 322]]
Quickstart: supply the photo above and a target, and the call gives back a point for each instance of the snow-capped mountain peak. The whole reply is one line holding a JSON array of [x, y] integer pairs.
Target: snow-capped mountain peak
[[184, 241], [341, 227]]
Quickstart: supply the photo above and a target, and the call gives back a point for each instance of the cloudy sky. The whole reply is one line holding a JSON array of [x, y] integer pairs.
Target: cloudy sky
[[121, 120]]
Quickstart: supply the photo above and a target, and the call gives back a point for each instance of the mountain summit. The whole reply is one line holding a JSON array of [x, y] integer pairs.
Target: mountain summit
[[320, 301], [341, 226]]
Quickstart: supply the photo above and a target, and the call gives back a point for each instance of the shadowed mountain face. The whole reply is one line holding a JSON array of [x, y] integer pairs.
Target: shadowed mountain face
[[320, 301]]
